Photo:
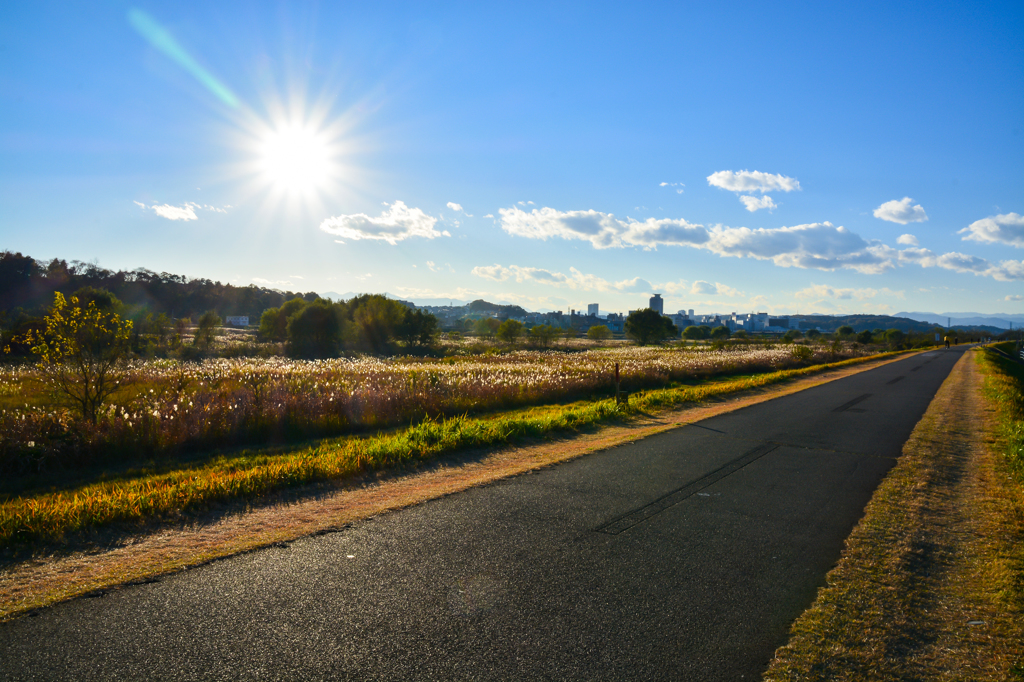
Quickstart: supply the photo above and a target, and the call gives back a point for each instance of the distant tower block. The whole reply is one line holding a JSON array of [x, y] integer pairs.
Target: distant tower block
[[657, 303], [592, 309], [690, 315]]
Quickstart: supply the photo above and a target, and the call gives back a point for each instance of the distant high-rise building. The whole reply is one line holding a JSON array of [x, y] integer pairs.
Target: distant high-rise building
[[592, 309], [657, 303], [690, 314]]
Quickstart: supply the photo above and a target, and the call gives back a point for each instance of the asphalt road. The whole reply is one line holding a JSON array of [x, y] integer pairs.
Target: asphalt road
[[683, 556]]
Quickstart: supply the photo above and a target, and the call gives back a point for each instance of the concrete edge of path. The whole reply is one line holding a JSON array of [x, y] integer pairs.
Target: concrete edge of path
[[43, 581]]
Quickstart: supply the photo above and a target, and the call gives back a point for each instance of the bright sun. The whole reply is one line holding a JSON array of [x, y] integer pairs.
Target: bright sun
[[295, 159]]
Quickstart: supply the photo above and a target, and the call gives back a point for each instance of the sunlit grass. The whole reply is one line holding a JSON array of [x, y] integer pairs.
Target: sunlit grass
[[170, 408], [1004, 384]]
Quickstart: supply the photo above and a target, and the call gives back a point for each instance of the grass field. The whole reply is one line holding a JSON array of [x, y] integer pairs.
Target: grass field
[[167, 408], [168, 487]]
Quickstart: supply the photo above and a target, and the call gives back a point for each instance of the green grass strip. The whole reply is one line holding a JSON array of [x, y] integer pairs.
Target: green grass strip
[[47, 517], [1004, 384]]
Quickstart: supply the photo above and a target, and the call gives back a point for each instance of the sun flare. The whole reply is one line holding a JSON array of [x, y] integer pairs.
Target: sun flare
[[295, 159]]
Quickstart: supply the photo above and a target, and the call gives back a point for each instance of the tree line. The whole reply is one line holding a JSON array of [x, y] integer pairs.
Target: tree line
[[27, 289]]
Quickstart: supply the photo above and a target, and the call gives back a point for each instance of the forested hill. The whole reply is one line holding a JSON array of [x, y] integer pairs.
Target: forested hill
[[29, 284], [860, 323], [482, 306]]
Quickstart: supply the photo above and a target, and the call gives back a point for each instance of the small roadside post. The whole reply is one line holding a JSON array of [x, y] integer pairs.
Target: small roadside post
[[620, 397]]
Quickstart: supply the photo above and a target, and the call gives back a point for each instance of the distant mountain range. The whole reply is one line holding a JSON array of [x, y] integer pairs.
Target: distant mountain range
[[999, 320]]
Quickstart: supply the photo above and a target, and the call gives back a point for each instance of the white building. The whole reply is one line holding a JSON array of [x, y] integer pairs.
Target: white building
[[592, 309], [658, 304], [237, 320]]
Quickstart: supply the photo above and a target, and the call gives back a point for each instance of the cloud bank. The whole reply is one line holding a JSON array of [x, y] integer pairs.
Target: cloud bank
[[901, 212], [1004, 271], [819, 246], [397, 223], [998, 229]]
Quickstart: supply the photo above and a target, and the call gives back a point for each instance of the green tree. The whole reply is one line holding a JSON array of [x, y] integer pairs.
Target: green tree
[[206, 329], [791, 336], [376, 320], [511, 331], [314, 331], [270, 329], [813, 334], [865, 336], [720, 332], [844, 331], [274, 321], [695, 333], [599, 332], [544, 334], [649, 326], [486, 327], [417, 328], [894, 337], [741, 334], [82, 352]]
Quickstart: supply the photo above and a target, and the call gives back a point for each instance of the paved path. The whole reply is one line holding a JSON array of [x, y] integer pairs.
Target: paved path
[[683, 556]]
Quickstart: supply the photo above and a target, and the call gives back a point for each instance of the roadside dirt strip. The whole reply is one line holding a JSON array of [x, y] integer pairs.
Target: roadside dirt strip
[[930, 582], [112, 559]]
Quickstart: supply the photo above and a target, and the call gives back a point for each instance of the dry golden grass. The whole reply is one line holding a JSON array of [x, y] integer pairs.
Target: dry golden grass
[[114, 557], [929, 584]]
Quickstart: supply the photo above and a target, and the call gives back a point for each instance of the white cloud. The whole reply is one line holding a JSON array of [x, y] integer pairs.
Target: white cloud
[[1014, 297], [901, 212], [999, 229], [822, 291], [908, 240], [458, 209], [752, 181], [700, 287], [818, 245], [754, 204], [675, 287], [187, 211], [1004, 271], [271, 282], [760, 302], [489, 215], [678, 185], [602, 230], [397, 223]]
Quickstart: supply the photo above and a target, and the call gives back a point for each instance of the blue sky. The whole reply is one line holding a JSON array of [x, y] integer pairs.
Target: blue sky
[[794, 158]]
